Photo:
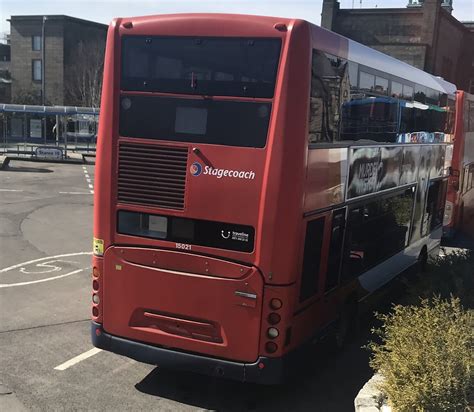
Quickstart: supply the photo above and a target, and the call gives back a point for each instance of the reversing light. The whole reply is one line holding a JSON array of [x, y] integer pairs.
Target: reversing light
[[274, 318], [271, 347], [272, 333], [276, 303], [95, 311], [95, 299]]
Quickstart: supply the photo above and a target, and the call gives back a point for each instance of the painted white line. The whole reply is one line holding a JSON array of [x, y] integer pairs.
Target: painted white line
[[19, 265], [10, 190], [74, 193], [2, 286], [92, 192], [77, 359], [91, 187], [88, 179]]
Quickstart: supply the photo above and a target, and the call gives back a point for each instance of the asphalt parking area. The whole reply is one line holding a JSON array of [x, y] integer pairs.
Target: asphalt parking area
[[46, 359]]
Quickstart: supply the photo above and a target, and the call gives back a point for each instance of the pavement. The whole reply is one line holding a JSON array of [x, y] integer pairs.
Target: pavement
[[46, 359]]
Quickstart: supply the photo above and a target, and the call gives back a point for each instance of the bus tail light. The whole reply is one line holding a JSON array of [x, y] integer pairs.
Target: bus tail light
[[95, 285], [274, 318], [276, 304], [271, 347], [95, 272], [95, 299]]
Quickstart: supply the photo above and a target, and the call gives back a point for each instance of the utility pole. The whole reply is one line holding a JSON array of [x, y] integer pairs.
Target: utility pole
[[43, 71], [43, 56]]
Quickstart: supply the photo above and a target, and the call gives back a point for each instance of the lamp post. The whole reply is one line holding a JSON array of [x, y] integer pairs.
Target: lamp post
[[43, 70], [43, 54]]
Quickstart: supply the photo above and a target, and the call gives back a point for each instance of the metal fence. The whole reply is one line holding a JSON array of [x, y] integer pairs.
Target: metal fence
[[47, 131]]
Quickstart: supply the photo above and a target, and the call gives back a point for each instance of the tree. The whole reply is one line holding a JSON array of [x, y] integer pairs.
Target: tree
[[84, 75]]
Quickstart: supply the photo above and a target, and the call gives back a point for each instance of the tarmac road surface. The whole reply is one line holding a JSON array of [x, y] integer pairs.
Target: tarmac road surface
[[46, 359]]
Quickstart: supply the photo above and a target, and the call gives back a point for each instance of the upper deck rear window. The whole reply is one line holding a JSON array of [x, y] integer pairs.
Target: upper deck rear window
[[242, 67]]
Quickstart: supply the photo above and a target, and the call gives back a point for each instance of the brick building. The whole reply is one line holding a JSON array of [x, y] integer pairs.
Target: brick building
[[424, 34], [64, 51]]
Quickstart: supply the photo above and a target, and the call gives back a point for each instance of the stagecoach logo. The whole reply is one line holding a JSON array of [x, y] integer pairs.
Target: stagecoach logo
[[196, 169]]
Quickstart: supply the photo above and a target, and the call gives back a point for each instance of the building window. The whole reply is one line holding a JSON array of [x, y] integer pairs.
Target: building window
[[37, 70], [36, 43]]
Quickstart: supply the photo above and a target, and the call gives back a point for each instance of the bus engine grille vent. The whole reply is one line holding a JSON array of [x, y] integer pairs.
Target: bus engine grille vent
[[152, 175]]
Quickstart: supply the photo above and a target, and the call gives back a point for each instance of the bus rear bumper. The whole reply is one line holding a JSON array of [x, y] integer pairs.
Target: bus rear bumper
[[267, 371]]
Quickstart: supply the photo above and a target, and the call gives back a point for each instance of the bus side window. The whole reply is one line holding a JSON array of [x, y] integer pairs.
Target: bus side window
[[312, 258], [335, 248], [330, 88], [376, 230], [434, 206]]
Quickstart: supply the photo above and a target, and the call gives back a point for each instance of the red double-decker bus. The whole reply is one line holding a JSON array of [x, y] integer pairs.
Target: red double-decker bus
[[459, 214], [256, 178]]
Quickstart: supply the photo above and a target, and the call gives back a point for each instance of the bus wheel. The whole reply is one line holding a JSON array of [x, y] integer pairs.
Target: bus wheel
[[423, 260]]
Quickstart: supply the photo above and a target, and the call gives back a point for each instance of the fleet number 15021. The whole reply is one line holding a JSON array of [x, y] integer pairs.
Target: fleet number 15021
[[183, 246]]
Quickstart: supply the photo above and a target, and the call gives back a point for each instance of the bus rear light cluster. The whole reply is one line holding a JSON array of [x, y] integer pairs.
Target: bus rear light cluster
[[273, 319], [96, 290]]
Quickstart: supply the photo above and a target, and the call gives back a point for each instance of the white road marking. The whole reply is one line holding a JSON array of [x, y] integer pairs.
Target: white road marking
[[77, 359], [11, 285], [10, 190], [89, 180], [48, 265], [19, 265]]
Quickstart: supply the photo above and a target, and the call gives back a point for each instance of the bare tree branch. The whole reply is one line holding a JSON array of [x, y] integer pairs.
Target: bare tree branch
[[84, 79]]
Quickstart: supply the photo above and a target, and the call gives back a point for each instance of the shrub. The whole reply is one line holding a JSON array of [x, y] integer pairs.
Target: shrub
[[452, 274], [425, 355]]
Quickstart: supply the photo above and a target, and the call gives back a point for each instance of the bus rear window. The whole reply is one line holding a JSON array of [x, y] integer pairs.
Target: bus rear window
[[200, 65], [211, 121]]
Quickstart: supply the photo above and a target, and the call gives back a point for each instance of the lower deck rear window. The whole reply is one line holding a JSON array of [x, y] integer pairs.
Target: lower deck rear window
[[201, 120]]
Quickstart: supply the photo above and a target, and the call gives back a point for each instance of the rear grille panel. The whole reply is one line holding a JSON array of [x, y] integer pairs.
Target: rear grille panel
[[152, 175]]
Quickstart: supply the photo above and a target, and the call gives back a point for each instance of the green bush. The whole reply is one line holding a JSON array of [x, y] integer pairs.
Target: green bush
[[452, 274], [425, 356]]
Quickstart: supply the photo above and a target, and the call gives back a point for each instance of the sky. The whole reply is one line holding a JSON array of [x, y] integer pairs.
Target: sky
[[103, 11]]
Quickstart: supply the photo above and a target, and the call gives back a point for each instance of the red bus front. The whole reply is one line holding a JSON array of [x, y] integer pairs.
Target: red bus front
[[189, 179]]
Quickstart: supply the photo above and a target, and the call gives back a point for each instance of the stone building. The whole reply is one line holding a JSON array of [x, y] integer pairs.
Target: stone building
[[5, 78], [64, 51], [424, 34]]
